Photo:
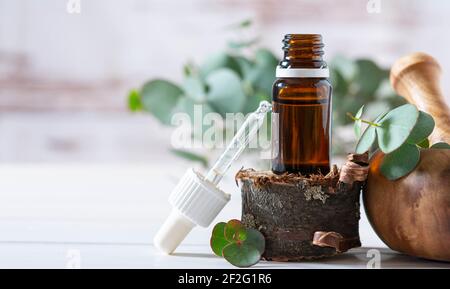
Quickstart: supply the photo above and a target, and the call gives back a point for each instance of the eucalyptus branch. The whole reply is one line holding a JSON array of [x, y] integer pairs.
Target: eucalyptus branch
[[363, 120]]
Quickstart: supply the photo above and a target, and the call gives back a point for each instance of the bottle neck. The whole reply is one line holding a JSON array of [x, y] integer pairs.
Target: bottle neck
[[303, 51]]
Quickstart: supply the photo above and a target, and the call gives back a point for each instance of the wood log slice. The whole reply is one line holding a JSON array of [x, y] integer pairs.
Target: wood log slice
[[302, 217]]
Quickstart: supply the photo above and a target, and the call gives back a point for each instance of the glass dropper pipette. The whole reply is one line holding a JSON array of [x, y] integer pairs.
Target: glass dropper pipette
[[241, 139], [197, 200]]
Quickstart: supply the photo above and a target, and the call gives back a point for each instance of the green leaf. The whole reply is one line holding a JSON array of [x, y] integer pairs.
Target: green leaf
[[400, 162], [366, 140], [194, 88], [253, 101], [380, 117], [360, 112], [218, 240], [245, 65], [226, 94], [187, 105], [368, 77], [241, 255], [396, 126], [358, 122], [242, 44], [385, 91], [239, 245], [424, 144], [159, 97], [191, 156], [440, 145], [218, 61], [262, 74], [423, 128], [134, 101], [345, 66], [256, 239], [235, 231], [340, 84], [357, 128], [196, 111], [189, 69], [243, 24], [265, 57]]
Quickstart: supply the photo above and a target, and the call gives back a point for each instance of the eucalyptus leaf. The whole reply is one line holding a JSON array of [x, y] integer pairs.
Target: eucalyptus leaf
[[194, 88], [346, 67], [246, 23], [380, 117], [189, 69], [241, 246], [266, 57], [189, 106], [357, 128], [366, 140], [243, 24], [262, 74], [134, 100], [368, 77], [245, 65], [423, 128], [396, 126], [340, 84], [196, 112], [358, 122], [241, 255], [248, 88], [253, 101], [226, 94], [159, 97], [218, 240], [385, 91], [242, 44], [424, 144], [235, 231], [400, 162], [360, 112], [255, 239], [440, 145], [219, 61]]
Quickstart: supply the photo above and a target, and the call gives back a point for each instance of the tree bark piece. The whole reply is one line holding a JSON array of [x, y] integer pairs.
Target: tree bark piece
[[304, 217]]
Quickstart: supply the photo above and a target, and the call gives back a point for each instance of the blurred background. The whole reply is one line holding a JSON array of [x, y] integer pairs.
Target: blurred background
[[64, 78]]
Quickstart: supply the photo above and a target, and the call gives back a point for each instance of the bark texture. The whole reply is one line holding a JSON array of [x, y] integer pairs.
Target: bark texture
[[300, 217]]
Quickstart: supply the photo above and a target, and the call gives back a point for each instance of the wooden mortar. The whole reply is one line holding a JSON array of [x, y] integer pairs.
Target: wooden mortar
[[412, 214]]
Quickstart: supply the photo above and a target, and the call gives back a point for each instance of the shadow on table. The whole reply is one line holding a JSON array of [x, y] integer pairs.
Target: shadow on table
[[195, 255], [356, 258], [365, 257]]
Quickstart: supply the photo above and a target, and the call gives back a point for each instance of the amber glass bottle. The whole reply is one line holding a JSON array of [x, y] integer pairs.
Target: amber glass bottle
[[301, 128]]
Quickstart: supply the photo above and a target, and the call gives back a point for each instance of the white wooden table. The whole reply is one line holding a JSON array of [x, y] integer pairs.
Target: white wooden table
[[105, 216]]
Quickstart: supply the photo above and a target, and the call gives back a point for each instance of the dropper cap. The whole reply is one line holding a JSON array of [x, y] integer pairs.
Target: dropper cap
[[196, 200]]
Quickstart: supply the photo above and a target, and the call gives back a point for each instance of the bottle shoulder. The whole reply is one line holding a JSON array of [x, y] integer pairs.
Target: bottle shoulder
[[302, 89], [301, 82]]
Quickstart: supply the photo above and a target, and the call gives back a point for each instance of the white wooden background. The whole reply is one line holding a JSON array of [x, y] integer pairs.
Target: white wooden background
[[64, 77]]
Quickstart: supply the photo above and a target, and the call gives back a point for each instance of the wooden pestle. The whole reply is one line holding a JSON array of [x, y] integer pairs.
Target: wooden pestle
[[416, 77], [412, 214]]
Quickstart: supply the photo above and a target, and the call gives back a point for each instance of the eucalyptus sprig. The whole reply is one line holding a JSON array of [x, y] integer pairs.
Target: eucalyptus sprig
[[241, 246], [399, 134], [237, 77]]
